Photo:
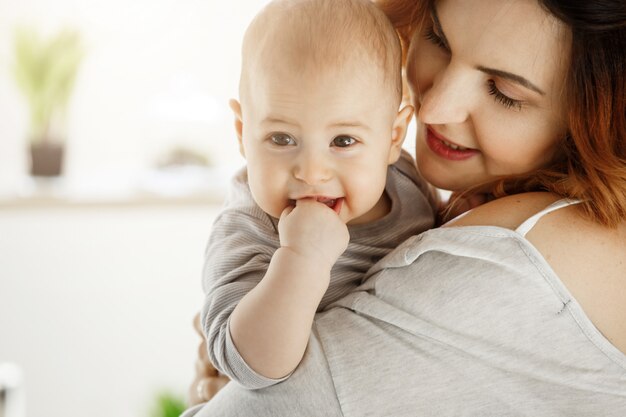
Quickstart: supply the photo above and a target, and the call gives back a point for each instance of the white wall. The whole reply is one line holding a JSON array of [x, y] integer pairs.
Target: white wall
[[96, 305], [157, 73]]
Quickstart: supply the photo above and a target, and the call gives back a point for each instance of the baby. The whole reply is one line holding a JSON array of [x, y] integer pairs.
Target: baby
[[327, 190]]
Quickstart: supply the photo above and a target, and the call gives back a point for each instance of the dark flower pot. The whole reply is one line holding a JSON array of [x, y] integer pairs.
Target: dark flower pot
[[46, 159]]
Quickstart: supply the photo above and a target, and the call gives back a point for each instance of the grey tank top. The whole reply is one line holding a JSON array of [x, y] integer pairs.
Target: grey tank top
[[470, 321]]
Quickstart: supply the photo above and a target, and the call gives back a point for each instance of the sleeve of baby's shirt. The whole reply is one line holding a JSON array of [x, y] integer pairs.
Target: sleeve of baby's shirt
[[239, 250]]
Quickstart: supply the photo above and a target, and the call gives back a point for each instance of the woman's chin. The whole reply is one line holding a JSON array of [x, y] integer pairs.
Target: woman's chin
[[445, 182], [447, 178]]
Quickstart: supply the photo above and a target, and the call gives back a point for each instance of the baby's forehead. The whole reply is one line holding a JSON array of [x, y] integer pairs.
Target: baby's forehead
[[312, 36], [329, 79], [297, 39], [284, 61], [326, 100], [355, 82]]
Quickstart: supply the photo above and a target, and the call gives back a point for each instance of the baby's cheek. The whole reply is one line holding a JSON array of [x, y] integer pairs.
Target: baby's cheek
[[366, 191], [267, 198], [276, 203]]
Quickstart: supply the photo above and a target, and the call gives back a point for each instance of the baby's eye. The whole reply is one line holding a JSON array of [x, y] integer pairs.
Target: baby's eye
[[282, 139], [343, 141]]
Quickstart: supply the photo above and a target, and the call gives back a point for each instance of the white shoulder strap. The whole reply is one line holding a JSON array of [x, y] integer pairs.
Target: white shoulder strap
[[532, 221]]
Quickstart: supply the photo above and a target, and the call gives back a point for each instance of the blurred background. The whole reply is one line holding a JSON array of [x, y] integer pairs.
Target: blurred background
[[100, 264], [116, 146]]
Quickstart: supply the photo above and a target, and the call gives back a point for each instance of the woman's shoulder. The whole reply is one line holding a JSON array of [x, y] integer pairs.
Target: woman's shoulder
[[586, 256], [589, 259], [572, 243], [508, 212], [566, 224]]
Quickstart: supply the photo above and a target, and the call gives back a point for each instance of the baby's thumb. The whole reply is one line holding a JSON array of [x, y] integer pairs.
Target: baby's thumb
[[286, 212]]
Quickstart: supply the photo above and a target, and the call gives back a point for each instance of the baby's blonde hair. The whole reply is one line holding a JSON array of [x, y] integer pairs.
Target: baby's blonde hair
[[314, 36]]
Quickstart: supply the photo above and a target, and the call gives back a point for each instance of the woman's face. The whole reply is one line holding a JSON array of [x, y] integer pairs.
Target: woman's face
[[487, 81]]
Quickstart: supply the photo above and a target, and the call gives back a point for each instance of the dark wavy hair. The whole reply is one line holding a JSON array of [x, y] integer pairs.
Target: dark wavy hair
[[590, 163]]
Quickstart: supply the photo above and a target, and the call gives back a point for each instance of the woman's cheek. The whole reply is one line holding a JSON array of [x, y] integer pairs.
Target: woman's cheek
[[514, 149], [412, 71], [425, 62]]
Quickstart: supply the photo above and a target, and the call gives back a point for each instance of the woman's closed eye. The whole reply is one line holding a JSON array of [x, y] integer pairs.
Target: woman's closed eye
[[435, 39], [282, 139], [503, 99], [343, 141]]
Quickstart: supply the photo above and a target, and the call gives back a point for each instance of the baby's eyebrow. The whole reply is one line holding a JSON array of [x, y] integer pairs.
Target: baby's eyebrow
[[350, 123], [354, 124], [278, 120]]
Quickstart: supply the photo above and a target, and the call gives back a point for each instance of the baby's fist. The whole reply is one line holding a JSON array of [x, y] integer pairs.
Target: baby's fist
[[313, 229]]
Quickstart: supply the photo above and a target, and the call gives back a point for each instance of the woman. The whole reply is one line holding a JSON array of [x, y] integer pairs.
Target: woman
[[516, 308]]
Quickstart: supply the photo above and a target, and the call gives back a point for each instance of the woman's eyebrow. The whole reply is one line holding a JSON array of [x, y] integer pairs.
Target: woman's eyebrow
[[511, 77]]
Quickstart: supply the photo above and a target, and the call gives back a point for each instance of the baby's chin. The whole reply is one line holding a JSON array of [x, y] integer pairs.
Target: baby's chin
[[274, 211]]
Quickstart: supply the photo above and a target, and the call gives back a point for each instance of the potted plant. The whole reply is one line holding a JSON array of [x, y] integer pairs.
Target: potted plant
[[45, 71]]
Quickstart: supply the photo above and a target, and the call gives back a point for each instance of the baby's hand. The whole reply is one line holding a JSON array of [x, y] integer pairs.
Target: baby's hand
[[314, 230]]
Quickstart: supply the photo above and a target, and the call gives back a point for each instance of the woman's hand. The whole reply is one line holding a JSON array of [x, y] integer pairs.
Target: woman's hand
[[208, 381]]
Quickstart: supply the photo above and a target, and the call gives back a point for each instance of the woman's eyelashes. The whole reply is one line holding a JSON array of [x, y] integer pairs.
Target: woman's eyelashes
[[435, 39], [506, 101], [285, 139]]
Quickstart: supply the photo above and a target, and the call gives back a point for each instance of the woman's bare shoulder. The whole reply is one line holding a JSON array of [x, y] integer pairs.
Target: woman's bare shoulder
[[572, 243], [589, 259], [508, 212]]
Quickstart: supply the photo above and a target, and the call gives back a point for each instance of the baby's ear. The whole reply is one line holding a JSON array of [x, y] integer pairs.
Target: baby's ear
[[236, 108], [398, 132]]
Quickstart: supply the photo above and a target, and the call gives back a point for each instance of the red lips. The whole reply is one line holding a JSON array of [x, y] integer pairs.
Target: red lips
[[447, 149]]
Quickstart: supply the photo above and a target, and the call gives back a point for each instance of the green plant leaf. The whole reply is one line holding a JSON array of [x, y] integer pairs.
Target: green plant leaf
[[45, 72], [168, 405]]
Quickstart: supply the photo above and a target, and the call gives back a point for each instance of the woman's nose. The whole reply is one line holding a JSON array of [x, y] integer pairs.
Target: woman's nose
[[448, 99], [312, 168]]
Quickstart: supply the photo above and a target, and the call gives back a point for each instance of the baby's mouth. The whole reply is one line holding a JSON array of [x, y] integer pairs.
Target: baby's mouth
[[334, 203], [330, 202]]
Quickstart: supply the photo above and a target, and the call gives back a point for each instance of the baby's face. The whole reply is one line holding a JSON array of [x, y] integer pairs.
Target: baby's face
[[329, 137]]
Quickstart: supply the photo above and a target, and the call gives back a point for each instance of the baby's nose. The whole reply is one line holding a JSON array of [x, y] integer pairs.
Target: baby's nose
[[312, 169]]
